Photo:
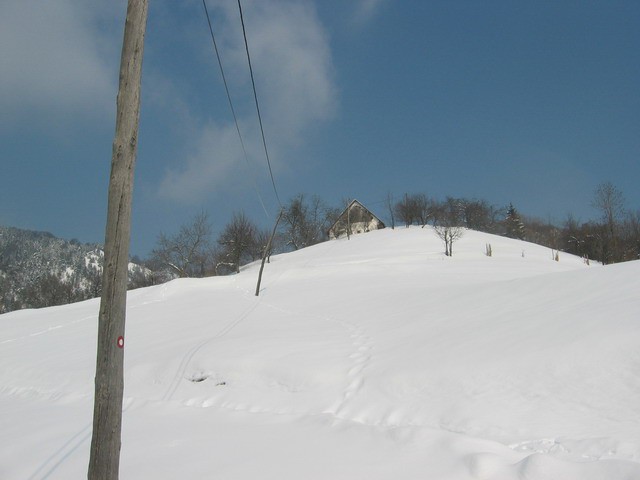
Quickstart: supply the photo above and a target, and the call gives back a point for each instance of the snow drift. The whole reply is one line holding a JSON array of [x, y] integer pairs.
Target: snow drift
[[375, 358]]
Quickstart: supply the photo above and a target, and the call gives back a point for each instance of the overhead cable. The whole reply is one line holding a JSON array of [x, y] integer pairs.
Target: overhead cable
[[233, 112], [255, 96]]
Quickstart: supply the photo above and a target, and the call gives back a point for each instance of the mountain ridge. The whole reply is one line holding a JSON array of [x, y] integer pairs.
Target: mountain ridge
[[38, 269]]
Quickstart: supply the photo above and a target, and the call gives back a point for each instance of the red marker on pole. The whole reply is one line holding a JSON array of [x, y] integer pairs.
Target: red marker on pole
[[120, 341]]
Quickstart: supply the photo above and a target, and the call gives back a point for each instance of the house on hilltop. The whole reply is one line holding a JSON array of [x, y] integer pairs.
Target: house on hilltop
[[356, 218]]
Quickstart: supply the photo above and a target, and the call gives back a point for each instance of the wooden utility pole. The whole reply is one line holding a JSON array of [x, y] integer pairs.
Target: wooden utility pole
[[267, 251], [104, 461]]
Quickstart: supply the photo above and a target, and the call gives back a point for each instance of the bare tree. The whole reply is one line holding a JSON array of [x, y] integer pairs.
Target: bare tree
[[574, 240], [453, 211], [542, 232], [448, 223], [390, 208], [423, 208], [296, 223], [262, 237], [237, 242], [186, 253], [448, 234], [332, 215], [479, 215], [630, 236], [406, 211], [610, 201], [305, 223], [414, 208]]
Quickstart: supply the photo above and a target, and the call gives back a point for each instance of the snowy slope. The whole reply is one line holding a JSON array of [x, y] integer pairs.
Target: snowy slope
[[371, 358]]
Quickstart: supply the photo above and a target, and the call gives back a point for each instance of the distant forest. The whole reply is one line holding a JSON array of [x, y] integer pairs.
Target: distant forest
[[39, 270]]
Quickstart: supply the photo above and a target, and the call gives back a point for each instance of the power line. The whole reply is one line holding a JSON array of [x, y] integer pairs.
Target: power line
[[233, 111], [255, 96]]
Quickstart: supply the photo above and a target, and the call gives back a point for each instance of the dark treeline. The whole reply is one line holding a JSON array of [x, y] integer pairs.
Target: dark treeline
[[613, 237], [38, 270]]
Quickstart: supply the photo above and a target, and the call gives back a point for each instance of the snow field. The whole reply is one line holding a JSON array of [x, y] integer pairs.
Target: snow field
[[376, 357]]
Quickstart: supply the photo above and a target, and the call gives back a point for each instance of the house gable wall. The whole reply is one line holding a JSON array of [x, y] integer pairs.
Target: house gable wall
[[357, 218]]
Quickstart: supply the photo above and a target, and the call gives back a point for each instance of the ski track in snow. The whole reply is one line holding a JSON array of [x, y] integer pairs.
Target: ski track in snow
[[67, 449], [361, 355], [57, 458], [49, 329], [162, 290], [188, 356]]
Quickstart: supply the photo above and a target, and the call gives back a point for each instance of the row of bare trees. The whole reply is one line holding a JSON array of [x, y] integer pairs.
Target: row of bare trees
[[452, 216], [305, 222], [614, 237], [611, 238], [419, 209], [192, 252]]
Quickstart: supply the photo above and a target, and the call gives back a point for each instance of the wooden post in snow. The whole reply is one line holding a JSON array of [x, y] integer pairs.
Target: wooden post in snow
[[104, 461], [267, 252]]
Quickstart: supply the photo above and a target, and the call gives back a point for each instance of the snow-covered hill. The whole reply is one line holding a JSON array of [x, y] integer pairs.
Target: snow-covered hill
[[39, 270], [371, 358]]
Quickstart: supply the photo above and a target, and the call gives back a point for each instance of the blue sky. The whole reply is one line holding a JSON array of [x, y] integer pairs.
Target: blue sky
[[533, 103]]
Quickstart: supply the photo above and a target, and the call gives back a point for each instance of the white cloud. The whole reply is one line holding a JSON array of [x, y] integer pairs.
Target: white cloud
[[55, 59], [292, 65], [214, 160], [292, 61], [367, 9]]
